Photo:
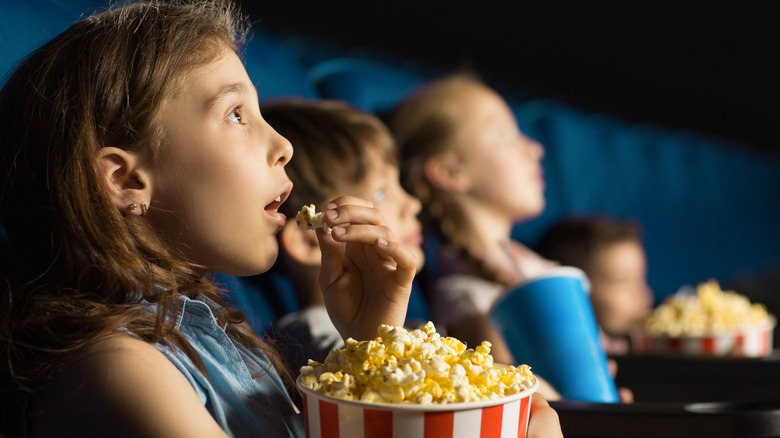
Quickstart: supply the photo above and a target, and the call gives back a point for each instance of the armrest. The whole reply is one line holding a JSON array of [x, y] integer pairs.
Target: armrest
[[670, 420], [657, 378]]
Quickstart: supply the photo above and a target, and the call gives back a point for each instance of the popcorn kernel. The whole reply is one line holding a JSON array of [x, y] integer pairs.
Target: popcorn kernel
[[418, 366]]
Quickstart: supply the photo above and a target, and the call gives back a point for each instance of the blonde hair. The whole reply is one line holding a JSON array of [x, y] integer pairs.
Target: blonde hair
[[425, 125]]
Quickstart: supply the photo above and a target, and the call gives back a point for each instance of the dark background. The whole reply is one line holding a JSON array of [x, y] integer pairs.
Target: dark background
[[707, 67]]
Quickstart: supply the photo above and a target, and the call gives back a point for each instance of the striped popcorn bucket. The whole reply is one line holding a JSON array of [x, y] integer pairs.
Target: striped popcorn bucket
[[753, 341], [331, 417]]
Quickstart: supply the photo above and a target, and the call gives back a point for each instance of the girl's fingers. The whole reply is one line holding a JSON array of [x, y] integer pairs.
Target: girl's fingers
[[336, 214], [351, 200], [354, 233], [544, 421], [332, 258], [391, 251], [405, 261]]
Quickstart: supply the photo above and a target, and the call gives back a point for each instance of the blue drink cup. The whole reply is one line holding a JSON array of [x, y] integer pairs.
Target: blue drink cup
[[548, 323]]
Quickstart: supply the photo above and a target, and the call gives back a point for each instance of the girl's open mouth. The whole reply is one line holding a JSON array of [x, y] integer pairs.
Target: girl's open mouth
[[272, 208]]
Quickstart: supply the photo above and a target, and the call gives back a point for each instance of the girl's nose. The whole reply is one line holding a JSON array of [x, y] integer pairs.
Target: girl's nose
[[414, 204], [536, 149], [281, 150]]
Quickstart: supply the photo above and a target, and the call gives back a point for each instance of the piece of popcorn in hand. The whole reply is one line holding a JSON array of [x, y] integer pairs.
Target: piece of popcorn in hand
[[309, 219]]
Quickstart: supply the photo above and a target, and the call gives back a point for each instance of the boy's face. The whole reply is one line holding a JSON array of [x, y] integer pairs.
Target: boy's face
[[620, 294], [220, 176], [382, 187]]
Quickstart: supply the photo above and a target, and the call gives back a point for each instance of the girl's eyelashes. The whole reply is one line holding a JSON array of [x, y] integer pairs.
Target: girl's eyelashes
[[235, 115]]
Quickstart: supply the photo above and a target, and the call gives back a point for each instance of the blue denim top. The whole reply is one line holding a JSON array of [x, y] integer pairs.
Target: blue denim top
[[241, 404]]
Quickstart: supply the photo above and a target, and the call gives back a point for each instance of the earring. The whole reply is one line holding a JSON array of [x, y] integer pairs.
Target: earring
[[144, 209], [133, 206]]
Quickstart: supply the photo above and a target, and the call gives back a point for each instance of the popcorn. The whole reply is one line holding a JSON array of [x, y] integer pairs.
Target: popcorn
[[307, 219], [709, 311], [417, 366]]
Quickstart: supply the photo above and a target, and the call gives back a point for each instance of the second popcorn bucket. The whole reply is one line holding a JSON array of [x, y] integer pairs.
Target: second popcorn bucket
[[414, 384], [548, 323]]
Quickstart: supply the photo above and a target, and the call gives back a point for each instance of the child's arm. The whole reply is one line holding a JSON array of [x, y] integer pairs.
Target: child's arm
[[366, 276], [122, 387]]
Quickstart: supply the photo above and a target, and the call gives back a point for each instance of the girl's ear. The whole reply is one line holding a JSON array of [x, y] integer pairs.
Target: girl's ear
[[301, 245], [446, 172], [126, 180]]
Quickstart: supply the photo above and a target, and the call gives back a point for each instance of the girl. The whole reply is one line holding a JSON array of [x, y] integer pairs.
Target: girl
[[134, 161], [476, 174]]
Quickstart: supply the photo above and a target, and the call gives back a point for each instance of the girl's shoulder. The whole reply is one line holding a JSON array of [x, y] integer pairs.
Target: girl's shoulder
[[121, 386], [529, 262]]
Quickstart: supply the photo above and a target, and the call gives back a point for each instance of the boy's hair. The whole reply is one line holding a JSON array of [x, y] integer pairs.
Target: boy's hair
[[334, 145], [573, 241], [75, 267]]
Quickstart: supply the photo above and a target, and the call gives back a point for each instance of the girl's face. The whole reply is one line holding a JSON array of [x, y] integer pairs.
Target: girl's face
[[220, 174], [620, 294], [504, 165], [382, 187]]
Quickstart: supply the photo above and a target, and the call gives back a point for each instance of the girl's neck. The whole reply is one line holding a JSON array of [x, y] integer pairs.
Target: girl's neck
[[485, 232]]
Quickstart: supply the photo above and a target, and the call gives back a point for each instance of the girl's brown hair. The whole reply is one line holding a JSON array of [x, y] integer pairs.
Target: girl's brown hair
[[74, 267]]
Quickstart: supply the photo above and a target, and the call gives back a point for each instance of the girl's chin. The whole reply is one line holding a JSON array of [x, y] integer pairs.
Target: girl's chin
[[420, 255]]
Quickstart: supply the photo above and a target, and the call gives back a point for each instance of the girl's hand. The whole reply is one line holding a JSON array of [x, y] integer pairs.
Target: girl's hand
[[366, 276], [543, 421]]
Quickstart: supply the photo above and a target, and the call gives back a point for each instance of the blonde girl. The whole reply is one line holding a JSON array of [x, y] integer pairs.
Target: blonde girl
[[477, 174]]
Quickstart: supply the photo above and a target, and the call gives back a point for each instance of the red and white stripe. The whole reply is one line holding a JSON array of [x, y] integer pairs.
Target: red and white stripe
[[754, 342], [330, 420]]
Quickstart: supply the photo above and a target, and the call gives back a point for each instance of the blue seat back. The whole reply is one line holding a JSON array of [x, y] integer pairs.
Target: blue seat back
[[367, 84]]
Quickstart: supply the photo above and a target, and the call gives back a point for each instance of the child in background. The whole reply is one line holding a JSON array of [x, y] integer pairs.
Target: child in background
[[464, 157], [339, 150], [612, 254], [135, 161]]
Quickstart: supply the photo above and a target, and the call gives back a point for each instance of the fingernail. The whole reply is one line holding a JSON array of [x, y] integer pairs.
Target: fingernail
[[331, 206], [339, 231], [331, 214], [381, 242]]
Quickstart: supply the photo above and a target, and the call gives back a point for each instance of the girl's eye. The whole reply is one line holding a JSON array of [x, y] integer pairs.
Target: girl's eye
[[380, 195], [235, 116]]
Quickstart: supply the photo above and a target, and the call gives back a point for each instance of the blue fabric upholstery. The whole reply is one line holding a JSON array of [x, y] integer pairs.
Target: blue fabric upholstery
[[24, 26], [274, 71], [368, 84]]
